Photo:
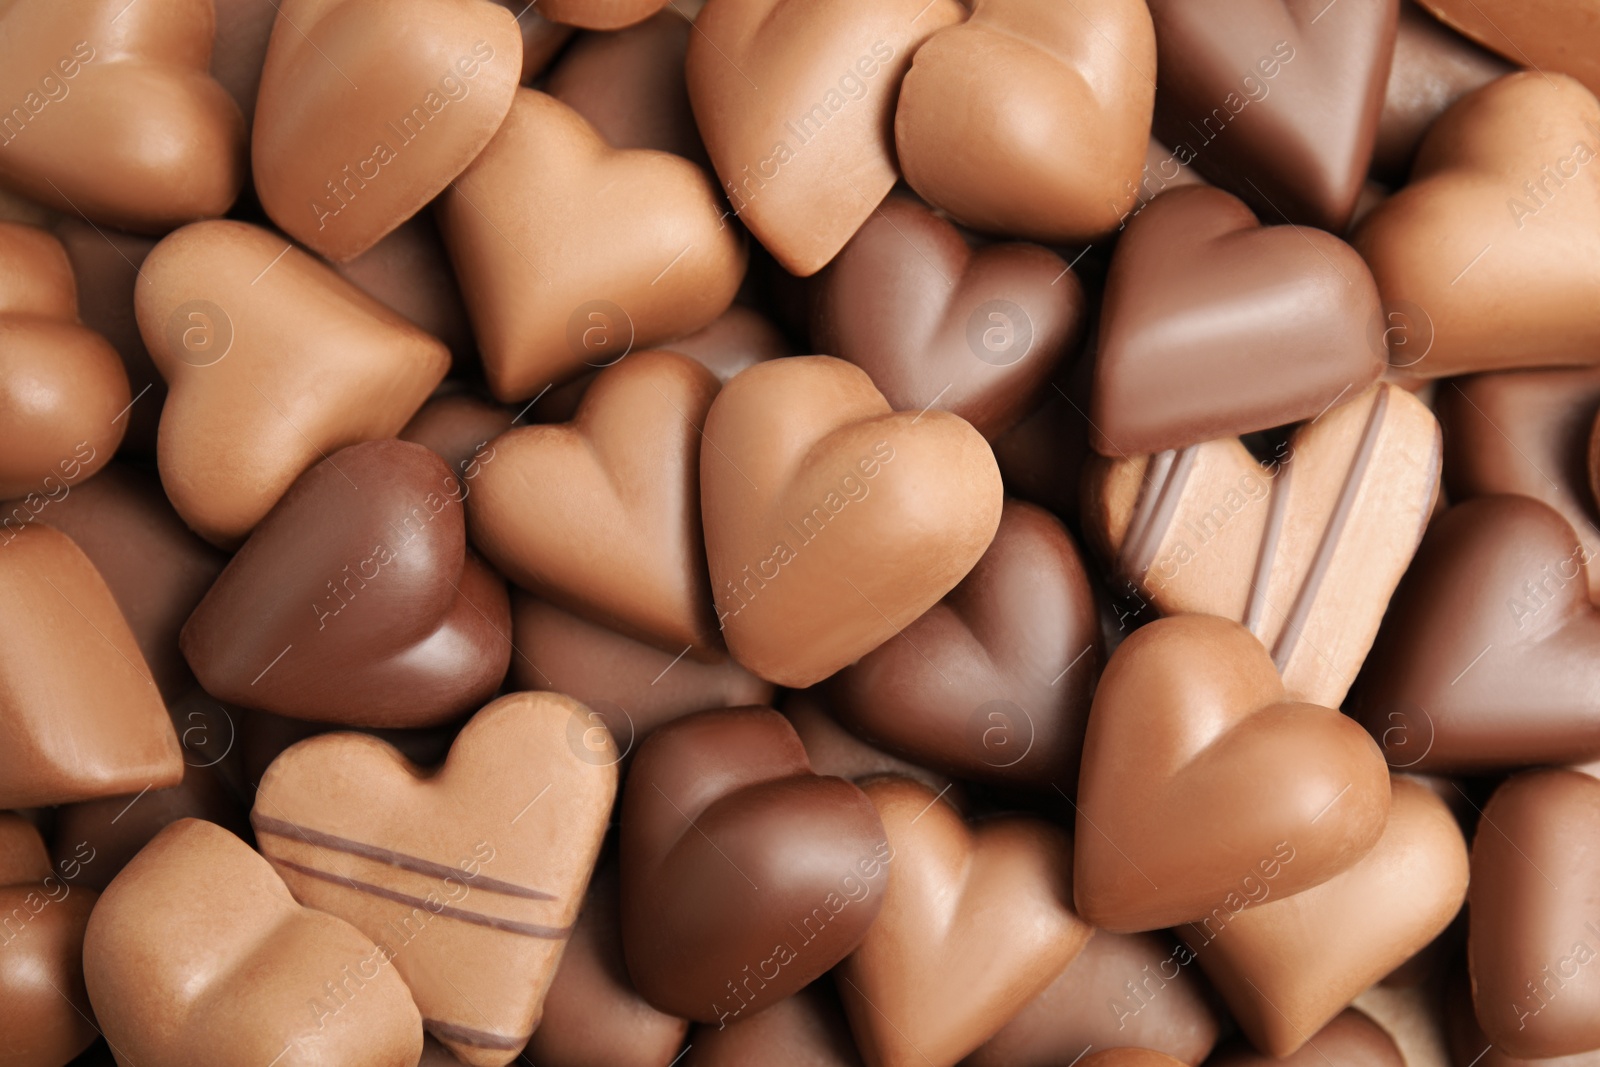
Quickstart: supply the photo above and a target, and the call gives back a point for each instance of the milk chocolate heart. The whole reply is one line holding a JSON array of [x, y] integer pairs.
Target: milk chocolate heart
[[1543, 35], [593, 1017], [1525, 432], [274, 362], [572, 253], [469, 877], [994, 681], [744, 875], [110, 112], [1467, 1041], [47, 1013], [629, 686], [1031, 118], [1137, 988], [1129, 1057], [1493, 240], [1203, 782], [832, 521], [356, 600], [1433, 68], [1289, 965], [1350, 1040], [976, 921], [1305, 550], [1533, 931], [602, 515], [198, 954], [601, 14], [834, 750], [1276, 100], [937, 324], [1214, 326], [805, 1030], [63, 392], [795, 101], [80, 716], [369, 108], [1486, 660]]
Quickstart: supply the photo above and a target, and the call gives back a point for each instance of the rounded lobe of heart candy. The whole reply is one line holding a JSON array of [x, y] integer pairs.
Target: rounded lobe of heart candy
[[1552, 35], [805, 1030], [369, 109], [1485, 658], [936, 324], [1032, 118], [1468, 1043], [601, 14], [274, 362], [1200, 779], [1278, 101], [1018, 649], [1214, 326], [571, 253], [832, 522], [1122, 987], [795, 100], [1533, 934], [356, 601], [1492, 242], [1129, 1057], [197, 953], [744, 876], [617, 534], [113, 114], [628, 686], [62, 387], [1433, 67], [1289, 965], [81, 715], [1350, 1040]]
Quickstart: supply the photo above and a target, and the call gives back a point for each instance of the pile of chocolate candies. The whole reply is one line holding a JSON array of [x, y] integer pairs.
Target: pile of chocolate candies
[[447, 616]]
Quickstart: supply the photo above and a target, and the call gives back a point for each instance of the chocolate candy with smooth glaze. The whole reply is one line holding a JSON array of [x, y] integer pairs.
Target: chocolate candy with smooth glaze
[[356, 600], [744, 875], [197, 953], [1553, 35], [1469, 1048], [1350, 1040], [993, 682], [1214, 326], [1276, 100], [1128, 1057], [805, 1030], [936, 323]]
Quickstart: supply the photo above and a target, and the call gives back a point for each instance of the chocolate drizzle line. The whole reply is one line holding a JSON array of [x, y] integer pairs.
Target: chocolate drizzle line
[[281, 828], [466, 1035], [1320, 563], [1158, 503], [509, 926], [1276, 510]]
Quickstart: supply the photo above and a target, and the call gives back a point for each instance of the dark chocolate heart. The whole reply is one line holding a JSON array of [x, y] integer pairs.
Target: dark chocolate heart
[[355, 601], [994, 681], [938, 324], [744, 875], [1214, 326]]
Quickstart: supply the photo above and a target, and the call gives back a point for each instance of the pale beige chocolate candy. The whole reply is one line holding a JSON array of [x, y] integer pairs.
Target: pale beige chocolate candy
[[367, 111], [572, 253], [468, 878], [1305, 549], [197, 953], [274, 361], [80, 716]]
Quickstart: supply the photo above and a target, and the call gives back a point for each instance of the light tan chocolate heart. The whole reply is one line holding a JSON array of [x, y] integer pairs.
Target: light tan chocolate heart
[[1287, 966], [1032, 118], [469, 877], [795, 101], [975, 923], [1495, 241], [572, 253], [602, 515], [1305, 549], [1204, 782], [197, 953], [107, 110], [80, 716], [368, 109], [273, 362], [832, 522]]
